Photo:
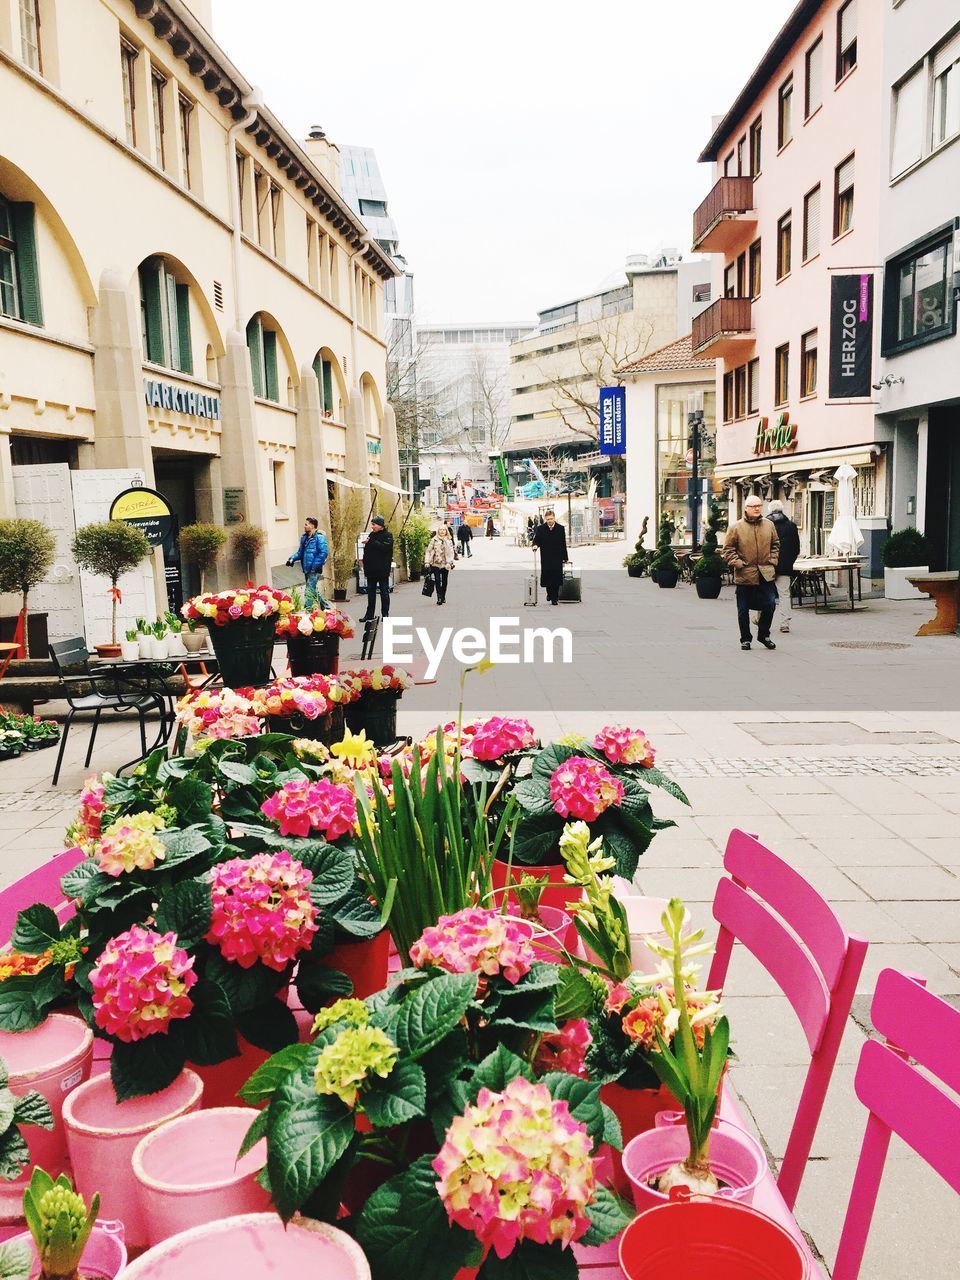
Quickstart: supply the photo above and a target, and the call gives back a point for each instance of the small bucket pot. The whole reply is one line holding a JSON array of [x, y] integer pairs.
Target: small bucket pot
[[375, 713], [735, 1158], [556, 894], [104, 1257], [244, 651], [188, 1173], [103, 1133], [314, 655], [326, 728]]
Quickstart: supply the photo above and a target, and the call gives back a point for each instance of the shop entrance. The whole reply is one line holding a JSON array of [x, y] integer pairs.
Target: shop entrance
[[942, 523], [176, 479]]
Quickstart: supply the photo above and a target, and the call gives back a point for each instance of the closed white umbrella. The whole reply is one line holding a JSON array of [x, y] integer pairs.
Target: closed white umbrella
[[845, 536]]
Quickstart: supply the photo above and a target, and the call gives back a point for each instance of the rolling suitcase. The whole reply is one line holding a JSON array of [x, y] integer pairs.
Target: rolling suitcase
[[530, 597], [571, 588]]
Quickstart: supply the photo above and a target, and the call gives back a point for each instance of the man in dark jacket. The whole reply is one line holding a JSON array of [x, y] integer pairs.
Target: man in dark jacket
[[789, 536], [377, 563], [312, 555], [550, 540], [465, 537]]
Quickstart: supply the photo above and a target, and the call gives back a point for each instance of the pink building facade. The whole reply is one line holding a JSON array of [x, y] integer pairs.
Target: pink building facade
[[793, 218]]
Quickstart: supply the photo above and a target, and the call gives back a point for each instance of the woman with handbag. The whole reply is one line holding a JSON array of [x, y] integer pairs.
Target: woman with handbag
[[439, 560]]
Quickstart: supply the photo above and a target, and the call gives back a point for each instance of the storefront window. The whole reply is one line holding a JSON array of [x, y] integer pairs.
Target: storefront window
[[918, 302], [674, 460]]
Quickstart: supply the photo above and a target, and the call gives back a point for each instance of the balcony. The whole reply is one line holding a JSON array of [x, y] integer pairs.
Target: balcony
[[723, 330], [725, 217]]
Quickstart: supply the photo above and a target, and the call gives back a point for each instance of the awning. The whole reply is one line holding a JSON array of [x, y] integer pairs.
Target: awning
[[377, 483], [860, 456], [347, 484]]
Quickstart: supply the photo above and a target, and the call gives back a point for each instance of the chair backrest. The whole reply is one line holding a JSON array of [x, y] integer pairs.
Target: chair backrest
[[41, 885], [795, 935], [370, 629], [66, 654], [918, 1025]]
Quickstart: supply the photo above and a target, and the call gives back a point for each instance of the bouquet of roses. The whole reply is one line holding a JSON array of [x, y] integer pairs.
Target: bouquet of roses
[[308, 696], [332, 621], [223, 607], [380, 679], [211, 714]]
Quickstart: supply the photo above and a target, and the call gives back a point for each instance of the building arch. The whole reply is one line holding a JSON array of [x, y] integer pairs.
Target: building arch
[[271, 357], [372, 403], [333, 387], [178, 323]]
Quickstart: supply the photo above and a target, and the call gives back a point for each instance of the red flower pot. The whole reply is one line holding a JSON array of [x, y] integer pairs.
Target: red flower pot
[[222, 1083], [636, 1109], [556, 894], [364, 963], [719, 1238]]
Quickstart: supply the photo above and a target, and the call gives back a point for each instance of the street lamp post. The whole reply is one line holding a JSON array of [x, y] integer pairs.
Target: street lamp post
[[695, 444]]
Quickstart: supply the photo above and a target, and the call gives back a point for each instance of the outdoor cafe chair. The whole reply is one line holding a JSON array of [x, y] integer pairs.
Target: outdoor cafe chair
[[766, 905], [104, 689]]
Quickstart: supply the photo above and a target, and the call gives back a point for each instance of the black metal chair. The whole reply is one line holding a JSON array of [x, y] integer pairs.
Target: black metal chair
[[370, 629], [105, 690]]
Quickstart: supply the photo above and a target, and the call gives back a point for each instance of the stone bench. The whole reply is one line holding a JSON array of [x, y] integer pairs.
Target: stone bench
[[944, 590]]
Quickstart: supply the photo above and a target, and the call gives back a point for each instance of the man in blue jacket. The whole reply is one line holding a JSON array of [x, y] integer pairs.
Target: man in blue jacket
[[312, 555]]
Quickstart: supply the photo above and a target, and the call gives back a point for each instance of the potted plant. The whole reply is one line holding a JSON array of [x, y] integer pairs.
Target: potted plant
[[159, 630], [246, 543], [27, 549], [906, 554], [144, 638], [175, 629], [636, 562], [242, 631], [110, 549], [63, 1235], [200, 545], [664, 563], [306, 706], [130, 645], [414, 540], [375, 711], [708, 570], [346, 522]]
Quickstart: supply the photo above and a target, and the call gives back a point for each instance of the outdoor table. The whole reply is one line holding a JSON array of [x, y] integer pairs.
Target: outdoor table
[[942, 588], [7, 649], [156, 671], [813, 569]]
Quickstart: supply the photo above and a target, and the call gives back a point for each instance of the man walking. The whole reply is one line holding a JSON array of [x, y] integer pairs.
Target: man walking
[[752, 548], [377, 563], [465, 537], [550, 540], [789, 536], [312, 555]]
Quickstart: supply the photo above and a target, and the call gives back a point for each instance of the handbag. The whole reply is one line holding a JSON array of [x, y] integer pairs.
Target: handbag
[[428, 585]]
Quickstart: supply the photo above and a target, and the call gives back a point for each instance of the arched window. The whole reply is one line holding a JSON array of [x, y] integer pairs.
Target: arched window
[[262, 345], [19, 275], [165, 316]]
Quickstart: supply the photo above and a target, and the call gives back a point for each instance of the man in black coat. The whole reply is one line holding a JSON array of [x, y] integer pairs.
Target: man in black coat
[[789, 536], [377, 563], [550, 540], [464, 537]]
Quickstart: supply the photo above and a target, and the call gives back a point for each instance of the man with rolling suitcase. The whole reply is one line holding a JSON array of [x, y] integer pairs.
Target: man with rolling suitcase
[[550, 539]]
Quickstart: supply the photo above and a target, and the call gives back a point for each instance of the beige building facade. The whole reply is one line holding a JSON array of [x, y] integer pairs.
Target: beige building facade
[[184, 294]]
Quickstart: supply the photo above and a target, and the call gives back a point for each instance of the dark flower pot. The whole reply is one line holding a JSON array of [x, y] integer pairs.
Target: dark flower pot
[[668, 577], [339, 594], [635, 570], [375, 711], [326, 729], [654, 575], [414, 575], [708, 586], [316, 655], [244, 651]]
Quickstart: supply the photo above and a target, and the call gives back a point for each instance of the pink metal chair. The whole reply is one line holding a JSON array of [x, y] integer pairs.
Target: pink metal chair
[[918, 1025], [41, 885], [793, 932]]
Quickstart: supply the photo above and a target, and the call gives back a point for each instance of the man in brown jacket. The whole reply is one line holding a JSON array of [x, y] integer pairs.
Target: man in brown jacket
[[752, 548]]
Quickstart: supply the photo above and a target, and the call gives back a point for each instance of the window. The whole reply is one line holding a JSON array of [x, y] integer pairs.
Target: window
[[373, 209], [30, 34], [19, 278], [165, 317], [785, 114], [918, 294], [157, 86], [742, 157], [742, 276], [946, 91], [728, 165], [324, 371], [279, 487], [753, 386], [843, 197], [728, 413], [730, 281], [811, 224], [813, 89], [755, 260], [701, 293], [808, 363], [846, 39], [185, 107], [784, 245], [781, 375], [756, 146], [740, 391], [262, 345], [909, 109], [261, 196], [128, 71], [276, 218]]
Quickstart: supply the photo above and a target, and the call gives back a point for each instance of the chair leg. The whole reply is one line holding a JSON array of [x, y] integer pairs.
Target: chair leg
[[63, 745], [93, 733], [141, 712]]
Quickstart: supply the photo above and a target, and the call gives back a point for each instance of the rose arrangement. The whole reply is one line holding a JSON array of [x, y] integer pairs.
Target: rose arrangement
[[307, 696], [332, 621], [225, 607], [213, 714], [301, 807], [381, 679]]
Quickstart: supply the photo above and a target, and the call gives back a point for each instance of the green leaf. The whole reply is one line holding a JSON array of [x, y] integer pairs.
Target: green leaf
[[583, 1099], [209, 1033], [497, 1070], [33, 1108], [18, 1005], [271, 1026], [624, 840], [146, 1066], [574, 995], [402, 1096], [530, 1011], [317, 984], [609, 1215], [237, 772], [243, 989], [263, 1084], [181, 846], [185, 910], [192, 799], [16, 1260], [533, 798], [36, 929], [8, 1106], [536, 839], [333, 870], [74, 884], [356, 915], [14, 1157], [256, 1133], [657, 778], [403, 1229], [307, 1135], [612, 1133], [432, 1010], [529, 1261]]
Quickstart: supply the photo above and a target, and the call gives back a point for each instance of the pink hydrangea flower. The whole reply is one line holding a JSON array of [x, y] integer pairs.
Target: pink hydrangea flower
[[583, 788], [625, 746], [84, 831], [262, 910], [517, 1166], [302, 807], [498, 736], [141, 983], [566, 1049], [476, 940]]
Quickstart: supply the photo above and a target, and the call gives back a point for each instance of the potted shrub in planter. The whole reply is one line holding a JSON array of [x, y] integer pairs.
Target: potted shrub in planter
[[346, 522], [906, 553], [200, 545], [110, 549], [246, 543], [414, 540], [27, 548], [708, 570], [664, 565], [242, 631], [636, 562]]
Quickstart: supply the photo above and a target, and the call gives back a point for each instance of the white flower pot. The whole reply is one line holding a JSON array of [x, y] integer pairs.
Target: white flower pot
[[175, 646], [194, 641], [145, 645], [129, 650], [896, 586]]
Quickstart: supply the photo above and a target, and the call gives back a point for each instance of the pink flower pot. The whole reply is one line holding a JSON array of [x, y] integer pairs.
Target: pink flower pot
[[256, 1244], [222, 1083], [556, 894], [52, 1059], [644, 920], [720, 1239], [735, 1159], [104, 1257], [188, 1173], [102, 1135]]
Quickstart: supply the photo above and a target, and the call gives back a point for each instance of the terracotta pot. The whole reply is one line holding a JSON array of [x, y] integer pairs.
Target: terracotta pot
[[556, 894], [222, 1083], [364, 963], [108, 650]]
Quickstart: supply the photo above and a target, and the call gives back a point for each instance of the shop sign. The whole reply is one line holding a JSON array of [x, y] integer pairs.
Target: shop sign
[[613, 420], [194, 404], [781, 437], [851, 336], [233, 503], [146, 510]]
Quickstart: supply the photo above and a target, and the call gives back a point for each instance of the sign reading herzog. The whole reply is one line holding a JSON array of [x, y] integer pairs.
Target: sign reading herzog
[[146, 510], [851, 336], [613, 420]]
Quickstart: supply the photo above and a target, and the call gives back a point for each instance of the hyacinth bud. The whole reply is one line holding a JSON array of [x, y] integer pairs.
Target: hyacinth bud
[[59, 1223]]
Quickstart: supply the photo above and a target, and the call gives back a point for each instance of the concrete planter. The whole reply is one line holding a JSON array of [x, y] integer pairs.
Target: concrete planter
[[896, 586]]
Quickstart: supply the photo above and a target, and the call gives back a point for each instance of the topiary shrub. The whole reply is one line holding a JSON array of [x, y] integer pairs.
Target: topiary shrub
[[200, 545], [246, 543], [346, 521], [664, 559], [906, 549], [636, 562], [27, 549], [110, 549], [710, 563]]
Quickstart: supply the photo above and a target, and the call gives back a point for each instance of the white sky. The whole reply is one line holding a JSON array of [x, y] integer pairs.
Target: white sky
[[527, 146]]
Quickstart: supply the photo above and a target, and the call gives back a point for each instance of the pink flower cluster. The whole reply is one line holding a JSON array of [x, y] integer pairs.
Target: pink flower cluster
[[141, 983], [625, 746], [301, 807], [308, 696], [476, 940], [500, 736], [583, 788], [222, 608], [566, 1049], [316, 622], [218, 713], [517, 1166], [262, 910], [84, 831]]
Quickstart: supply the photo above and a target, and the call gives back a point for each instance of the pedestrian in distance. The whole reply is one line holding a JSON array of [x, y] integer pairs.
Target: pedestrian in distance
[[465, 537], [440, 560], [491, 531], [312, 555], [550, 539], [752, 549], [377, 562], [789, 536]]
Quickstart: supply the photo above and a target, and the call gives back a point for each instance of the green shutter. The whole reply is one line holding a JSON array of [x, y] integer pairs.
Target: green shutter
[[328, 386], [183, 328], [270, 364], [28, 272], [150, 289], [255, 345], [318, 373]]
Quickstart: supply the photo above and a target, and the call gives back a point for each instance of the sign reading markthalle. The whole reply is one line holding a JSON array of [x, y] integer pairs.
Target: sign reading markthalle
[[146, 510], [851, 336], [613, 420]]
